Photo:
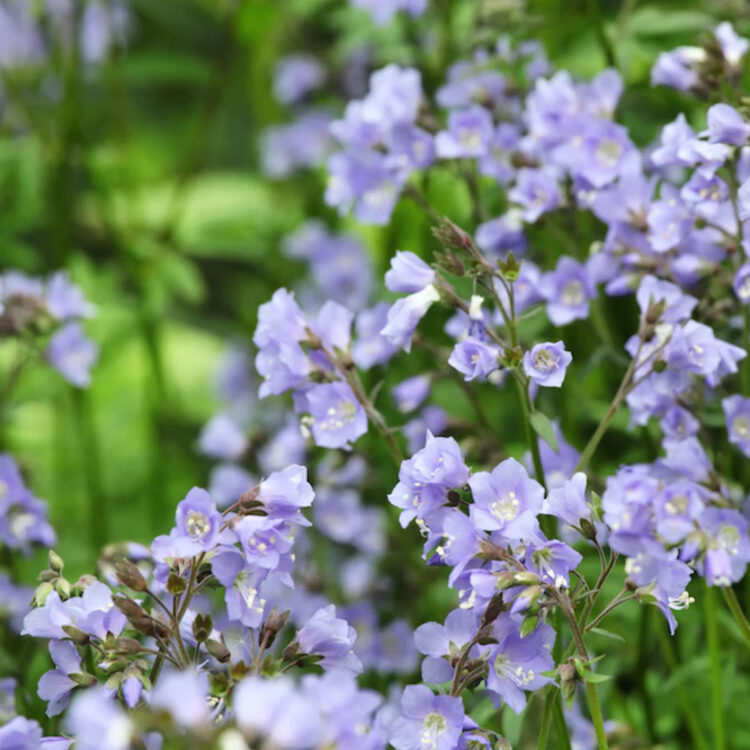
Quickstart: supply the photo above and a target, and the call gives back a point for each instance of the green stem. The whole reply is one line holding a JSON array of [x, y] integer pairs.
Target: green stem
[[531, 438], [549, 701], [563, 734], [595, 708], [714, 653], [731, 599], [699, 741]]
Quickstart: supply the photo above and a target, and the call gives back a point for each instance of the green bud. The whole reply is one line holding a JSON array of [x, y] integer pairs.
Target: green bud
[[529, 625], [76, 635], [83, 679], [63, 588], [43, 590], [55, 562], [218, 650]]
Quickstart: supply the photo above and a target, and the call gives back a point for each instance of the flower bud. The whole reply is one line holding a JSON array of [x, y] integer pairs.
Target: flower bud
[[127, 646], [63, 588], [451, 235], [218, 650], [202, 627], [274, 623], [43, 590], [129, 575], [55, 562], [83, 679], [76, 635], [128, 607]]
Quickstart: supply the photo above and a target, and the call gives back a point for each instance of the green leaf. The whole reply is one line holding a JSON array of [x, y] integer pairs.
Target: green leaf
[[608, 634], [595, 677], [543, 427]]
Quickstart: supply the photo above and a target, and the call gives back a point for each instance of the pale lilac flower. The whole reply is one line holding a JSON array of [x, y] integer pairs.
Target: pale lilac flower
[[72, 354], [405, 314], [410, 393], [338, 419], [737, 415], [330, 637], [469, 134], [567, 291], [183, 695], [370, 347], [408, 273], [474, 358], [295, 77], [546, 364], [507, 500], [733, 46], [98, 722], [726, 125], [427, 720], [222, 438], [198, 524]]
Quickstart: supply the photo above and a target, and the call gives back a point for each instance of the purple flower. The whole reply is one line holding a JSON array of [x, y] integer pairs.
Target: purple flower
[[676, 68], [337, 416], [330, 637], [405, 314], [678, 306], [503, 235], [741, 284], [427, 720], [227, 482], [470, 132], [433, 420], [733, 46], [65, 300], [285, 493], [410, 393], [72, 354], [408, 273], [184, 695], [516, 663], [295, 77], [437, 641], [222, 438], [474, 358], [536, 192], [97, 722], [242, 586], [552, 562], [371, 347], [737, 414], [383, 11], [275, 708], [568, 501], [198, 524], [265, 543], [55, 686], [669, 222], [726, 125], [606, 153], [567, 291], [728, 546], [546, 364], [425, 478], [507, 500]]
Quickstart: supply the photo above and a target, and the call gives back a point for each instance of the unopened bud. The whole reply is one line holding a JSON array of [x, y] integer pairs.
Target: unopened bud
[[529, 625], [129, 575], [128, 607], [494, 608], [63, 588], [249, 498], [218, 650], [274, 623], [76, 635], [291, 651], [83, 679], [55, 562], [588, 529], [202, 627], [127, 646], [509, 268], [43, 590], [452, 235], [526, 578]]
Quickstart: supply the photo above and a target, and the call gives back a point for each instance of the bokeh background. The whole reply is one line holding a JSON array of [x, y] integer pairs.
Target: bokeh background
[[149, 175]]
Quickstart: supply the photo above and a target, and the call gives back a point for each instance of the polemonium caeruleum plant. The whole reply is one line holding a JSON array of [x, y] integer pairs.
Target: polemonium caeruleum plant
[[220, 633]]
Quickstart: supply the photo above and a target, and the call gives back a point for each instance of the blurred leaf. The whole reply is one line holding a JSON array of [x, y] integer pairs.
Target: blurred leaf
[[543, 427]]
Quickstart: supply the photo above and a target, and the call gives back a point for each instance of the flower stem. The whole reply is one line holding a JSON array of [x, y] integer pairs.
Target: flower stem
[[731, 599], [714, 654], [531, 438]]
